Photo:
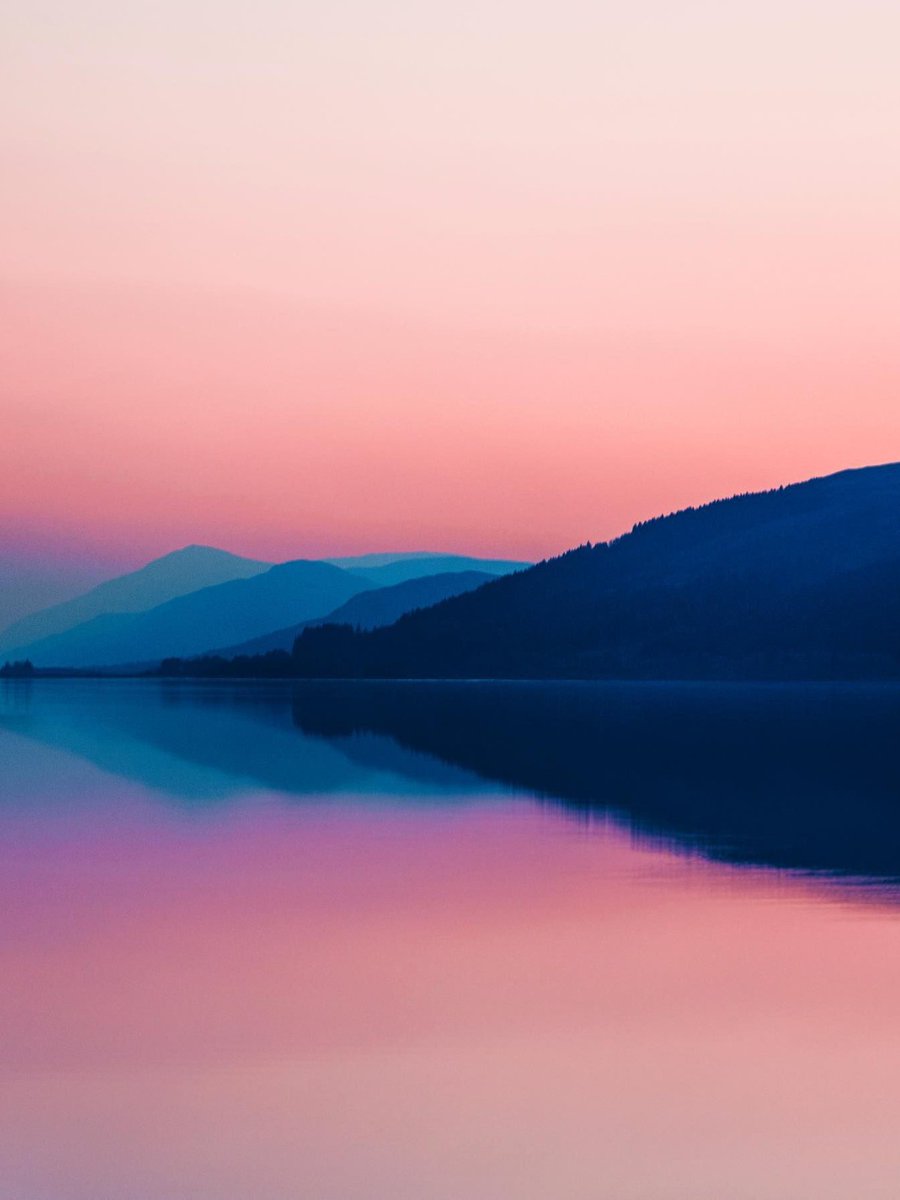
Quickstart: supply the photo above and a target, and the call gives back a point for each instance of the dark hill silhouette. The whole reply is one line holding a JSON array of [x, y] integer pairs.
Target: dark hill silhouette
[[163, 579], [212, 616], [802, 581], [370, 609]]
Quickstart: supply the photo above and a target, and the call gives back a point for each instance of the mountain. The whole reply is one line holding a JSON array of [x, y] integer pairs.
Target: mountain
[[389, 568], [803, 581], [175, 574], [212, 616], [417, 566], [356, 562], [370, 609]]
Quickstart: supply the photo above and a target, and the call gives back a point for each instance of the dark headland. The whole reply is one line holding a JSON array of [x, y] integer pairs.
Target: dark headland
[[801, 582]]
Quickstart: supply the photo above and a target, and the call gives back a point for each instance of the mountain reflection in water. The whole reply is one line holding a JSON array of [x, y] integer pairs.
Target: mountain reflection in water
[[803, 777], [373, 941]]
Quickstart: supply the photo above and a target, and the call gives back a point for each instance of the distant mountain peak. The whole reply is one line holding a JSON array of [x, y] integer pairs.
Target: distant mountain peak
[[158, 581], [196, 550]]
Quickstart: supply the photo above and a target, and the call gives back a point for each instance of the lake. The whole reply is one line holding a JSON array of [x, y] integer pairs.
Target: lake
[[449, 941]]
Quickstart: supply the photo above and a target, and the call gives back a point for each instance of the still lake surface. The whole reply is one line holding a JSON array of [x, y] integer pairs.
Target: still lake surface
[[449, 942]]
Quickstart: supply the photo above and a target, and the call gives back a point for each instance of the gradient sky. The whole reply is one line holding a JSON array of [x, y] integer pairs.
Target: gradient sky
[[502, 277]]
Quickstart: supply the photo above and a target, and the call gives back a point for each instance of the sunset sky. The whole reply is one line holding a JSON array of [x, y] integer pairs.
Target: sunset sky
[[500, 277]]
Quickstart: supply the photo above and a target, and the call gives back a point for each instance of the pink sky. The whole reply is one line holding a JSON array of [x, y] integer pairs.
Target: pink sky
[[497, 277]]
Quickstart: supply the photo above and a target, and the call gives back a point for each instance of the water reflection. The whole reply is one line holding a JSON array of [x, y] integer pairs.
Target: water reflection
[[213, 743], [803, 777], [324, 942]]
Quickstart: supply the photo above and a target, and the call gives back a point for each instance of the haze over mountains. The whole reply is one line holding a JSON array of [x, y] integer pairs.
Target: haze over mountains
[[371, 609], [35, 578], [800, 582], [198, 598], [419, 566], [163, 579]]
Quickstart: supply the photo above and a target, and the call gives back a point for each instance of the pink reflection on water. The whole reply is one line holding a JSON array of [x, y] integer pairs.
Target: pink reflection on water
[[485, 1002]]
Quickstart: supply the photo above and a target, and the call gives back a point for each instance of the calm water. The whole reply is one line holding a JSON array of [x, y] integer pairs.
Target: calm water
[[449, 942]]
